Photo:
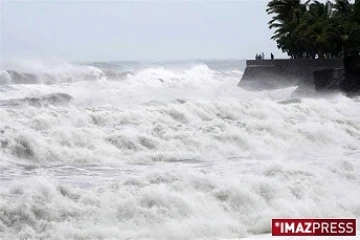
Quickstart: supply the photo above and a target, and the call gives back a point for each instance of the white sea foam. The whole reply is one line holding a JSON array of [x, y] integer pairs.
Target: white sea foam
[[37, 72], [172, 154]]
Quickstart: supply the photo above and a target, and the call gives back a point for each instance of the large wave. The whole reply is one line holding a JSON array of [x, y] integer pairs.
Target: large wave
[[171, 154], [178, 170], [180, 130], [45, 73], [39, 73], [128, 86]]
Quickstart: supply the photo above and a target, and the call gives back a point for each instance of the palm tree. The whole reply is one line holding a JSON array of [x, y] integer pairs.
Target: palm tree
[[347, 16], [285, 11], [314, 28], [317, 30], [343, 8], [357, 10], [287, 14]]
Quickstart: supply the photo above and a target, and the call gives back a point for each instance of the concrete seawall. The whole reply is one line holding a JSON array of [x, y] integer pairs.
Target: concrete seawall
[[272, 74]]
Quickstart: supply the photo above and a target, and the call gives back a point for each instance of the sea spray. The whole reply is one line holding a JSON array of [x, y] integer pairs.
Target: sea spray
[[171, 153]]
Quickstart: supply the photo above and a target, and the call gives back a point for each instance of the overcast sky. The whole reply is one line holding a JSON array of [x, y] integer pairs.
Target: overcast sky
[[136, 30]]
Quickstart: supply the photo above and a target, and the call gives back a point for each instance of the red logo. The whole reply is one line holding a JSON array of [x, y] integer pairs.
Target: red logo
[[314, 227]]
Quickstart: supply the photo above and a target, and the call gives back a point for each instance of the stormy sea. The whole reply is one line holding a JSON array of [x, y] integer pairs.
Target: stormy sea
[[167, 150]]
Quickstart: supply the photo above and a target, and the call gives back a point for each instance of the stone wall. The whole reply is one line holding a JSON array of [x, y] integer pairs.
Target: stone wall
[[271, 74], [345, 79]]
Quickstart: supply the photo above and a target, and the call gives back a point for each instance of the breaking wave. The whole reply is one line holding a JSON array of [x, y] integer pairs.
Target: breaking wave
[[179, 131], [87, 74], [171, 153], [40, 73]]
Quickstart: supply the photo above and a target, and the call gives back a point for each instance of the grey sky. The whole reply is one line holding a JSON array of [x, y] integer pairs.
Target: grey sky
[[135, 30]]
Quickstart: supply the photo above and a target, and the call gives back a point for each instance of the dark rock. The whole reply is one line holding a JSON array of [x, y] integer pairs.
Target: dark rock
[[350, 82], [352, 64], [328, 79]]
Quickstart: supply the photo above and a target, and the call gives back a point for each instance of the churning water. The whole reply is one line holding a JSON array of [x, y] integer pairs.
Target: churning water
[[131, 150]]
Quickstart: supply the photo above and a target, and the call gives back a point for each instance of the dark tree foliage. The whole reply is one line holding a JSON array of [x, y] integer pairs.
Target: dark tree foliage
[[312, 28]]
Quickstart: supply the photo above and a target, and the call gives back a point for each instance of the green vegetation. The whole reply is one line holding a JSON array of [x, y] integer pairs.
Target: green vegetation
[[312, 28]]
